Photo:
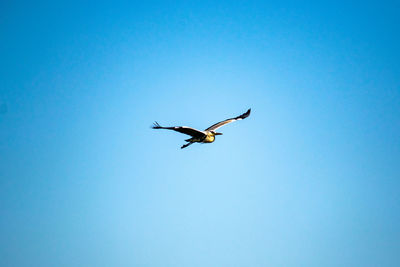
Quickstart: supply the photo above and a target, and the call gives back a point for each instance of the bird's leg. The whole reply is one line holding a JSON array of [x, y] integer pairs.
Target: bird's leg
[[185, 145]]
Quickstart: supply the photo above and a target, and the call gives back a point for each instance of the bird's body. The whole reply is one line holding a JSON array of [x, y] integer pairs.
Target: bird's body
[[209, 138], [206, 136]]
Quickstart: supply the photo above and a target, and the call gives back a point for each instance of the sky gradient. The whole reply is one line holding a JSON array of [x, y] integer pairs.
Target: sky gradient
[[311, 178]]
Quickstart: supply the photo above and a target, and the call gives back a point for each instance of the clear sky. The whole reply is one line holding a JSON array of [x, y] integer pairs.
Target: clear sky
[[311, 178]]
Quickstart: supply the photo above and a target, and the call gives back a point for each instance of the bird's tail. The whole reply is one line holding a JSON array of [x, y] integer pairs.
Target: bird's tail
[[186, 145]]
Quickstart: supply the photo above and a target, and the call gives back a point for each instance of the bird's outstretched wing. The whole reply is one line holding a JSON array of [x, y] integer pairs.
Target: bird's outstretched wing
[[181, 129], [222, 123]]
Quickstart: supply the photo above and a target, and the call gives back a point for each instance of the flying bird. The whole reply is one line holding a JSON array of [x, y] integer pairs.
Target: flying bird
[[206, 136]]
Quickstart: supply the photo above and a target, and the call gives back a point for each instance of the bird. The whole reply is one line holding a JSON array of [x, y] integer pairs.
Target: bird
[[206, 136]]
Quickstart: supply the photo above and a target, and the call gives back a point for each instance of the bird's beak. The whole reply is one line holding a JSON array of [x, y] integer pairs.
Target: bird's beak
[[218, 133]]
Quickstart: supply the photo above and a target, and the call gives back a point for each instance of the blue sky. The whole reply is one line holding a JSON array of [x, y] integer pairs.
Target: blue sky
[[311, 178]]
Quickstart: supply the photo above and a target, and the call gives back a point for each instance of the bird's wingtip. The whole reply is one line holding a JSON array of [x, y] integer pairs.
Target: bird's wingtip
[[156, 125], [246, 114]]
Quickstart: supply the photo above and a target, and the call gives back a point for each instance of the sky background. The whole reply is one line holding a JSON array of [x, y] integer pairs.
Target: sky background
[[311, 178]]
